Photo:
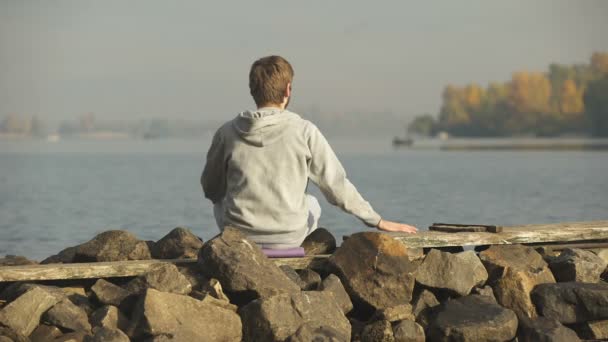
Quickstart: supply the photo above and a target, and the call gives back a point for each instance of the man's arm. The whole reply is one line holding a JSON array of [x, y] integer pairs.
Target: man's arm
[[213, 178], [327, 173]]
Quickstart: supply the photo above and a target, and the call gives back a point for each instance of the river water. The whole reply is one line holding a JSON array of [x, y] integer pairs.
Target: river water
[[55, 195]]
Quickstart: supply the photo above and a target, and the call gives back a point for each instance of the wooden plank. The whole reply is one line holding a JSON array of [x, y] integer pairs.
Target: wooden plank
[[119, 268], [539, 233]]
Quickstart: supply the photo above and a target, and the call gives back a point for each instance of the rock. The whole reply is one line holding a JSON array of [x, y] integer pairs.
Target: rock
[[163, 277], [310, 332], [66, 256], [11, 336], [207, 298], [83, 302], [277, 317], [242, 268], [368, 261], [180, 243], [293, 275], [14, 260], [456, 273], [333, 285], [110, 317], [17, 289], [499, 257], [514, 271], [45, 333], [107, 335], [23, 314], [395, 313], [112, 245], [544, 330], [311, 279], [356, 329], [378, 331], [593, 330], [484, 291], [77, 336], [194, 276], [572, 302], [320, 241], [426, 299], [473, 318], [577, 265], [68, 316], [108, 293], [183, 318], [408, 331], [214, 288]]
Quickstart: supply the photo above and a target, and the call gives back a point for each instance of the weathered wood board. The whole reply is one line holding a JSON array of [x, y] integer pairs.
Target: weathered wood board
[[538, 233], [117, 268]]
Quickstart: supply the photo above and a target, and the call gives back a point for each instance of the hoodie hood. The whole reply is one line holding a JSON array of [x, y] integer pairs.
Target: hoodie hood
[[264, 126]]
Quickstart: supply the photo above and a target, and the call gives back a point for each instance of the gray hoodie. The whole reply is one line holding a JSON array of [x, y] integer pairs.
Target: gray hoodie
[[258, 167]]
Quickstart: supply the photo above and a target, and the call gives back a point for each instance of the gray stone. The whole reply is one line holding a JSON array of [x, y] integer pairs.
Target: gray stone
[[395, 313], [473, 318], [320, 241], [110, 317], [194, 276], [275, 318], [112, 245], [291, 273], [45, 333], [163, 277], [108, 293], [242, 268], [180, 243], [455, 273], [408, 331], [544, 330], [17, 289], [183, 318], [577, 265], [207, 298], [15, 260], [66, 256], [215, 289], [370, 261], [515, 270], [77, 336], [572, 302], [378, 331], [12, 336], [593, 330], [68, 316], [484, 291], [317, 333], [424, 300], [23, 314], [311, 279], [333, 285], [103, 334]]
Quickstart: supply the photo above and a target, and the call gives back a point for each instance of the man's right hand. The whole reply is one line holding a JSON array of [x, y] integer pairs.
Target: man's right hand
[[389, 226]]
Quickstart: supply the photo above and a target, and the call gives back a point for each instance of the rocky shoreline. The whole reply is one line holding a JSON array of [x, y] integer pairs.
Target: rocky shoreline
[[372, 288]]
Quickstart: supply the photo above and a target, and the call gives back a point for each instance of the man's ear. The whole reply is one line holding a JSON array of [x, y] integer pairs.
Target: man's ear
[[288, 90]]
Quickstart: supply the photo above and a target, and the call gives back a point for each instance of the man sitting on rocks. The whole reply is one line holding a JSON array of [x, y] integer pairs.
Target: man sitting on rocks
[[259, 165]]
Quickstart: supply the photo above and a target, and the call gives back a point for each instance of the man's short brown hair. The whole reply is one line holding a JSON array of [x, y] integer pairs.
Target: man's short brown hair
[[268, 79]]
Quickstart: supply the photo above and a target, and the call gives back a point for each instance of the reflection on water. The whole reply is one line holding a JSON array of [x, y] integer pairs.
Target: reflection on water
[[54, 195]]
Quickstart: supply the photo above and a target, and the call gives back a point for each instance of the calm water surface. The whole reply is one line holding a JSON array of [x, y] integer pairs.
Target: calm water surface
[[55, 195]]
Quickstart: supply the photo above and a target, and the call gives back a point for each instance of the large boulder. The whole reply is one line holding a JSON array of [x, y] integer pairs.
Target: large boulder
[[543, 329], [473, 318], [23, 314], [278, 317], [112, 245], [572, 302], [68, 316], [320, 241], [593, 330], [577, 265], [164, 277], [182, 318], [65, 256], [423, 307], [370, 261], [108, 293], [45, 333], [408, 331], [455, 273], [242, 268], [333, 285], [180, 243], [514, 271], [108, 316]]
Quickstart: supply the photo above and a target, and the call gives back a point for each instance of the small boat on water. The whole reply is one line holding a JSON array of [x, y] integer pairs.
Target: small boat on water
[[399, 141]]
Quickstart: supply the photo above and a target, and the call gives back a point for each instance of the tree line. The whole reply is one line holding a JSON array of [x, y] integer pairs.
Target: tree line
[[567, 99]]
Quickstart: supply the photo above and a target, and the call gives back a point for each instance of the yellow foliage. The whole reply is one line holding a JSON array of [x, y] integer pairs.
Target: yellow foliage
[[599, 62], [571, 99]]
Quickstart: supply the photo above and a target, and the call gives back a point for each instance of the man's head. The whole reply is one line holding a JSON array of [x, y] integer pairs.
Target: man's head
[[270, 81]]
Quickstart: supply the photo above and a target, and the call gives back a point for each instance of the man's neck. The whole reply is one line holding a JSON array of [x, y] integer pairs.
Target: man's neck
[[272, 105]]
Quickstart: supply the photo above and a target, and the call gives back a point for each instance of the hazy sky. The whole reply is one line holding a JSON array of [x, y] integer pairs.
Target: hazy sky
[[190, 59]]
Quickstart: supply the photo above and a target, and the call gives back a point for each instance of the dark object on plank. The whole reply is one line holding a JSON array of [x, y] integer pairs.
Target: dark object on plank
[[459, 228]]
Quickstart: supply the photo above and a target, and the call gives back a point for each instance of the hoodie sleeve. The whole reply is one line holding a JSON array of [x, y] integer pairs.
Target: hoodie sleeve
[[327, 173], [213, 178]]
